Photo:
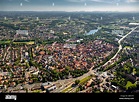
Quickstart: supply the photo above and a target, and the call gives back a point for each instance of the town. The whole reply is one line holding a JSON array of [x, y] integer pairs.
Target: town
[[68, 52]]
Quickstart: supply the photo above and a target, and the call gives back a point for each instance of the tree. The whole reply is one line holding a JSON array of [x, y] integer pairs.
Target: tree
[[81, 87], [77, 82], [26, 90]]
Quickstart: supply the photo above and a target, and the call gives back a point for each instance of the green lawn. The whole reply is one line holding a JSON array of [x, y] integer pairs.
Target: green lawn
[[5, 42], [128, 47], [65, 90], [129, 84], [28, 43], [134, 71], [37, 91], [84, 80], [8, 42]]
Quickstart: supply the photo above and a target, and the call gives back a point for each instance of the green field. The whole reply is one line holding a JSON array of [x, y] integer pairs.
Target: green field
[[65, 90], [128, 47], [5, 42], [28, 43], [84, 80], [129, 84]]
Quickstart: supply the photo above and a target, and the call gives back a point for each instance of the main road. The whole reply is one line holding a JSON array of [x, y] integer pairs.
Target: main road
[[68, 82], [120, 46]]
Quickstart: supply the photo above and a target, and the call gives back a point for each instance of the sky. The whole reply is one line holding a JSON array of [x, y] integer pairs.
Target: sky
[[69, 5]]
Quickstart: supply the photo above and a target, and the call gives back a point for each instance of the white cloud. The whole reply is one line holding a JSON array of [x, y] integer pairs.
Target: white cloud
[[21, 4], [85, 4], [53, 4], [77, 0], [26, 0], [131, 1], [106, 1], [103, 1], [98, 0], [87, 0], [117, 4]]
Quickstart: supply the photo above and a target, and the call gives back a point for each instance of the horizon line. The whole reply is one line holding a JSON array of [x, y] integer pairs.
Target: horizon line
[[60, 11]]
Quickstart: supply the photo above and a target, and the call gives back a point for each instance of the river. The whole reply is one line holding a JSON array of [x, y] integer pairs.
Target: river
[[92, 31]]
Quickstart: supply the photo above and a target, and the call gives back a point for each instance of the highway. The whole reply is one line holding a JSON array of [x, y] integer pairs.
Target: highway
[[69, 82], [120, 47]]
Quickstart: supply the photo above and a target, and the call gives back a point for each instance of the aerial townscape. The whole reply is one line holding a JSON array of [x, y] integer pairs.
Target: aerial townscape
[[69, 52]]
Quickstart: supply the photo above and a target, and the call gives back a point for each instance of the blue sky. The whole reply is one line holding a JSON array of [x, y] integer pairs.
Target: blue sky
[[69, 5]]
